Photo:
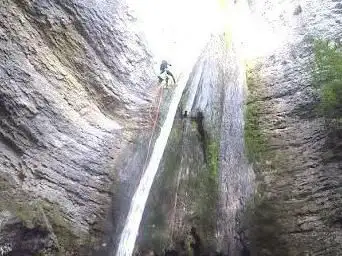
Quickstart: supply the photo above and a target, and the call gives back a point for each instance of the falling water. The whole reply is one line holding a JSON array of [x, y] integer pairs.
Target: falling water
[[130, 231]]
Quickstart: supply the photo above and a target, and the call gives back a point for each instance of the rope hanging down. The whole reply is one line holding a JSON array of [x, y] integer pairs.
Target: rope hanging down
[[160, 98]]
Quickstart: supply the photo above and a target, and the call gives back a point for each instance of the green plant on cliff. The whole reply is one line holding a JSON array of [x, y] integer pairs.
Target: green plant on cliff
[[255, 140], [261, 217], [46, 218], [212, 159], [209, 179], [205, 184], [212, 152], [328, 77], [203, 188]]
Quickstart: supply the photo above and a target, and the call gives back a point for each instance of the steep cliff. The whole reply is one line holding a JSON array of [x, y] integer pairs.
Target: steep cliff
[[74, 95], [77, 102], [204, 181], [299, 200]]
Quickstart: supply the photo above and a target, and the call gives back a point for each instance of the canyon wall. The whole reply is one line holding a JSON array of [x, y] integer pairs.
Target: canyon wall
[[76, 89], [295, 155]]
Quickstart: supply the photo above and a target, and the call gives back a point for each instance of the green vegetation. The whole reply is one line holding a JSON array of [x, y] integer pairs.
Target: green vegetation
[[206, 194], [255, 140], [328, 77], [205, 184], [261, 218], [212, 159], [191, 158], [40, 214]]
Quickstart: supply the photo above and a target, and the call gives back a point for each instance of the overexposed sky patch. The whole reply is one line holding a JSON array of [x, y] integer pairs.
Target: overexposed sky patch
[[257, 34], [178, 30]]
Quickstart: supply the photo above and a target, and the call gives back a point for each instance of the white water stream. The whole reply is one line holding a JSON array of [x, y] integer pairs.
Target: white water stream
[[167, 27], [176, 32], [130, 232]]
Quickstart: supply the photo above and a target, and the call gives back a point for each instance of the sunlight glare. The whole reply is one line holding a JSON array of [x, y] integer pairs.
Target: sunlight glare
[[178, 30]]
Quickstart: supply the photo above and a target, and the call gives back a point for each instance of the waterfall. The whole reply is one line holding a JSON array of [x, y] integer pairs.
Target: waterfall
[[130, 231]]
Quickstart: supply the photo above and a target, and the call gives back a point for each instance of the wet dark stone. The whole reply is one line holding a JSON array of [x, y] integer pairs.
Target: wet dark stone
[[171, 253], [197, 244]]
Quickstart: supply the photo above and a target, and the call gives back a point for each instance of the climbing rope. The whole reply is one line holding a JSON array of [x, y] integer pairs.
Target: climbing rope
[[160, 98]]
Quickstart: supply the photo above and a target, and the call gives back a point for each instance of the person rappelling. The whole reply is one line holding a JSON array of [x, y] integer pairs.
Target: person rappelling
[[165, 73]]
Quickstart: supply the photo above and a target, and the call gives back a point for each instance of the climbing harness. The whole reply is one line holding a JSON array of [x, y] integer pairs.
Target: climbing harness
[[164, 77]]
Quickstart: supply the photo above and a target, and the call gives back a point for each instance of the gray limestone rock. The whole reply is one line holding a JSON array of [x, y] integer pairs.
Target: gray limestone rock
[[300, 211], [75, 79]]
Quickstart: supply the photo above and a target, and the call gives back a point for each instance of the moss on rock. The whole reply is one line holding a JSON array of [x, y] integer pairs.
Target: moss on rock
[[255, 139], [327, 77], [49, 219], [263, 213]]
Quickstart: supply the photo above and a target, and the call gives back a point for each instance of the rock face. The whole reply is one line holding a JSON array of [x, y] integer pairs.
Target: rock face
[[204, 180], [73, 97], [299, 201]]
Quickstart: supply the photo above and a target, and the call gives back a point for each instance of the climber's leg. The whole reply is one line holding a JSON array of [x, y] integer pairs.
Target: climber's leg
[[170, 74]]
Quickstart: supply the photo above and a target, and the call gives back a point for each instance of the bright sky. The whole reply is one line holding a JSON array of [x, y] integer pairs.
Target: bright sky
[[177, 30]]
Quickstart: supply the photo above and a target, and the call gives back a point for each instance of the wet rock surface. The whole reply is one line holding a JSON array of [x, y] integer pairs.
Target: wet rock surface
[[20, 238], [203, 181], [73, 97], [76, 113], [301, 204]]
